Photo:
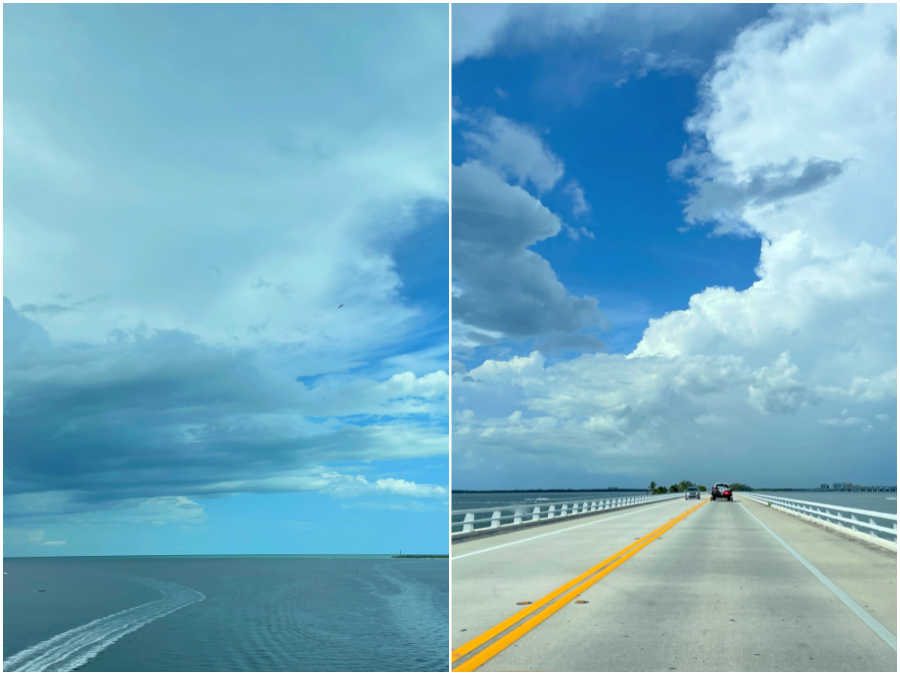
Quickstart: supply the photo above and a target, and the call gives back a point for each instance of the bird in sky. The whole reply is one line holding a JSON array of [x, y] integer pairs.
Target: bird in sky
[[341, 305]]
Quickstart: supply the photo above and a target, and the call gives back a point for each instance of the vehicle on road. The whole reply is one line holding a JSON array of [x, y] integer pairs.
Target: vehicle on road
[[693, 492], [721, 491]]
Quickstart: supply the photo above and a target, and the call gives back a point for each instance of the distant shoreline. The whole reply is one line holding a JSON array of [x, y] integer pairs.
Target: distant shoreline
[[768, 489]]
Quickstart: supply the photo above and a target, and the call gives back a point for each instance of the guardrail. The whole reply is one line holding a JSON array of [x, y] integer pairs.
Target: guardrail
[[874, 526], [496, 519]]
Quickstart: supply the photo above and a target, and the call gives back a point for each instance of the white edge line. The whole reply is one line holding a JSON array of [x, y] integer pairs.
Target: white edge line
[[550, 534], [854, 607]]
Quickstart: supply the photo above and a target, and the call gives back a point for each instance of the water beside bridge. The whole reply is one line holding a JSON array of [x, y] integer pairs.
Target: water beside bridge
[[873, 501], [486, 500]]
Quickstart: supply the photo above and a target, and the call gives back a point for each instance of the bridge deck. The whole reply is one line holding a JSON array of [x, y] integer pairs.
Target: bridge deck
[[717, 591]]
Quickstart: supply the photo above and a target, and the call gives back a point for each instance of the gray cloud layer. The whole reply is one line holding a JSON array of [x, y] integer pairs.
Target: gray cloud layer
[[721, 200], [499, 284], [164, 414]]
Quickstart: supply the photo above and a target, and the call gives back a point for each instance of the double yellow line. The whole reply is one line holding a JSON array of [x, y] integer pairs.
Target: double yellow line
[[551, 603]]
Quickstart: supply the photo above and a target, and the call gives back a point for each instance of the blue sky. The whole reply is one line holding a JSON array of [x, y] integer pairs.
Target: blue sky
[[666, 263], [225, 255], [621, 162]]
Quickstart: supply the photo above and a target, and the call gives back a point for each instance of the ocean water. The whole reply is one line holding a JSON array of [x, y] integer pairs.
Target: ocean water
[[872, 501], [253, 613], [486, 500]]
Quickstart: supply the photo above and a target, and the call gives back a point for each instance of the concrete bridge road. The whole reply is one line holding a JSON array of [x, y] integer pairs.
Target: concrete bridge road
[[678, 585]]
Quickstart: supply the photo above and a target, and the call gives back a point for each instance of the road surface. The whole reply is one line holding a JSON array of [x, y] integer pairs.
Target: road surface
[[699, 587]]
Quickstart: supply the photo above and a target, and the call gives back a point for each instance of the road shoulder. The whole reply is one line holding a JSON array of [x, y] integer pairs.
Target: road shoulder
[[867, 573]]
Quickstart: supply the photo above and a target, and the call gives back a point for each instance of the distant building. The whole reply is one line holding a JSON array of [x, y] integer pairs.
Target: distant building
[[823, 486]]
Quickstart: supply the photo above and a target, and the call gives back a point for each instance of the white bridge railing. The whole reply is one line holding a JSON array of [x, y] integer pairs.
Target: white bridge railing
[[483, 520], [876, 526]]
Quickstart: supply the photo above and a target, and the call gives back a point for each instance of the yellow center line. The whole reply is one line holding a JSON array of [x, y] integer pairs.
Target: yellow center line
[[593, 575], [479, 640]]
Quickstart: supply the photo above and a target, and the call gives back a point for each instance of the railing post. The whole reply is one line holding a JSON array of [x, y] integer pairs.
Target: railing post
[[535, 513], [584, 507], [563, 510], [469, 522], [551, 512], [495, 519], [517, 515]]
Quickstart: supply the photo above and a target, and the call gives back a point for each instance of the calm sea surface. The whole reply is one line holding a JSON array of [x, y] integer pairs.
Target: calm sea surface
[[872, 501], [259, 613], [485, 500]]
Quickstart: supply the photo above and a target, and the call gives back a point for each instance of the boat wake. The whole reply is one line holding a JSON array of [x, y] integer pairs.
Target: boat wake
[[72, 649]]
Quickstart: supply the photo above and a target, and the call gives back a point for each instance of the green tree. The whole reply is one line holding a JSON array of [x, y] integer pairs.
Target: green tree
[[652, 485], [740, 487], [702, 488], [674, 488]]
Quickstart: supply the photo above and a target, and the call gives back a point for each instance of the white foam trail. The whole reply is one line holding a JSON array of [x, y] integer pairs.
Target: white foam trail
[[73, 648]]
